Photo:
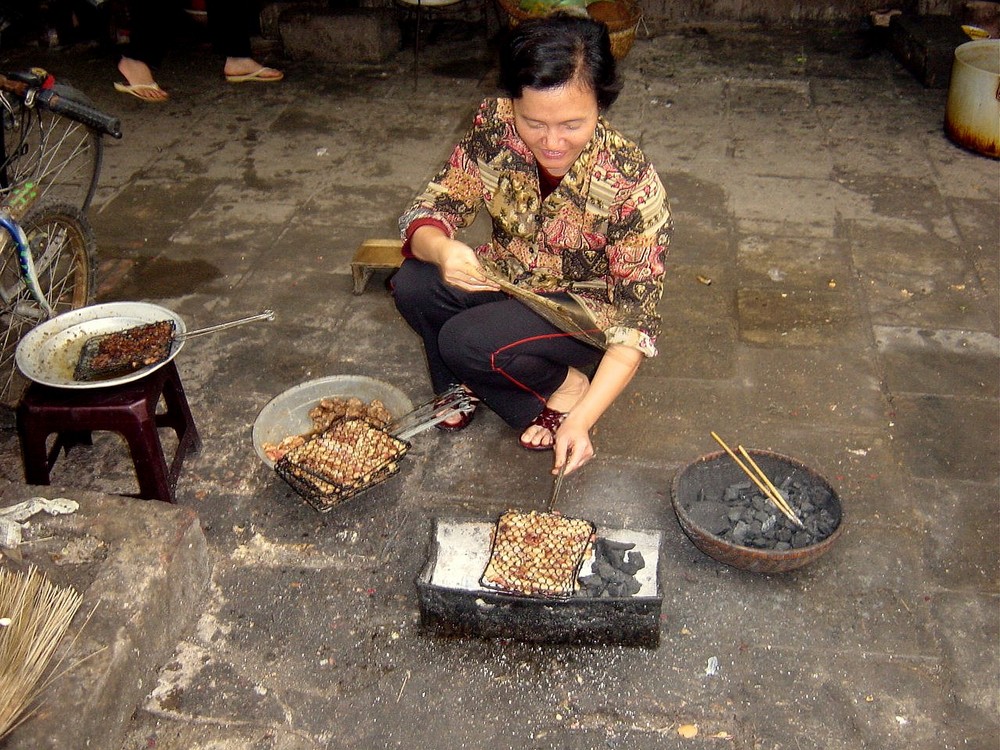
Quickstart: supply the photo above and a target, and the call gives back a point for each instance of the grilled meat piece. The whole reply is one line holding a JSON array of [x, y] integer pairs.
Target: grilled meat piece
[[125, 351]]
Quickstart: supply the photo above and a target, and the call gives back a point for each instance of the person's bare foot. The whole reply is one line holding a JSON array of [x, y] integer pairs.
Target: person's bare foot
[[140, 81], [241, 69], [565, 398]]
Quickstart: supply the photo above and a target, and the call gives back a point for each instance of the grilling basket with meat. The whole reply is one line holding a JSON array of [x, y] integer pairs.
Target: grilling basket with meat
[[354, 446], [542, 554], [537, 553]]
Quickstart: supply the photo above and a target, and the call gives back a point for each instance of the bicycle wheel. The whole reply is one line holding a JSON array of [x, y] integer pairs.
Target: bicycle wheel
[[61, 156], [64, 251]]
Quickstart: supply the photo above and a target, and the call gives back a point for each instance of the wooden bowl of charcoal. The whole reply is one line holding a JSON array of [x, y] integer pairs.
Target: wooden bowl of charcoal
[[730, 519]]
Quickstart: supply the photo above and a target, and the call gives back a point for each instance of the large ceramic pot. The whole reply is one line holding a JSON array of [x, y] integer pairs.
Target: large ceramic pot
[[972, 117]]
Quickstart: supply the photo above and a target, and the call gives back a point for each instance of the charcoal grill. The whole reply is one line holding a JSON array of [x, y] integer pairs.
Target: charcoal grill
[[454, 602]]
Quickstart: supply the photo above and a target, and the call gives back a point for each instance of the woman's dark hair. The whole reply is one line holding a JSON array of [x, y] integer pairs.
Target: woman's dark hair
[[546, 53]]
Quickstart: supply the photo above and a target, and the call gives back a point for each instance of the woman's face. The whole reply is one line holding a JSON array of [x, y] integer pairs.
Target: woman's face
[[556, 124]]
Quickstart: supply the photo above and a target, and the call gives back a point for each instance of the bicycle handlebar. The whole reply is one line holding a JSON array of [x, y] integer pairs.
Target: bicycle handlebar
[[89, 116], [62, 105]]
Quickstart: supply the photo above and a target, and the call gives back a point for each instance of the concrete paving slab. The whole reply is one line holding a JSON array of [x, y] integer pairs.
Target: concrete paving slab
[[948, 438], [804, 319], [792, 157], [915, 359], [959, 556]]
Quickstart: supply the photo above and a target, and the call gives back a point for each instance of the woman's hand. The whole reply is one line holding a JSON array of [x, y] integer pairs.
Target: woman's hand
[[572, 439], [460, 267], [456, 261], [572, 445]]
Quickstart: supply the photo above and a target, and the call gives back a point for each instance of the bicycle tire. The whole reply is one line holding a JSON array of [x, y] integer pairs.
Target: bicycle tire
[[60, 156], [64, 251]]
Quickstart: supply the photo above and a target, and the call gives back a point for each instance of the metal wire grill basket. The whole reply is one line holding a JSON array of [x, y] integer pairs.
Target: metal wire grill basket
[[346, 459], [537, 554], [114, 354]]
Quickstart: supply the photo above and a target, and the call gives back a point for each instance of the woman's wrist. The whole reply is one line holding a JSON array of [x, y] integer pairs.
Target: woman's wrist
[[429, 244], [580, 418]]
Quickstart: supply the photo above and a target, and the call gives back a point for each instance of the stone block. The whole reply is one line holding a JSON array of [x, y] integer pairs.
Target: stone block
[[271, 14], [360, 35], [925, 45], [142, 567]]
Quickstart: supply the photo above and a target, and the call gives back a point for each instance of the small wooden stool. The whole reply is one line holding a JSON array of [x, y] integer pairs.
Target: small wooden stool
[[375, 255], [128, 409]]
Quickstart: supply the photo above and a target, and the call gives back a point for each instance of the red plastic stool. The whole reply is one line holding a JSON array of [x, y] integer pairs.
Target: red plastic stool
[[128, 409]]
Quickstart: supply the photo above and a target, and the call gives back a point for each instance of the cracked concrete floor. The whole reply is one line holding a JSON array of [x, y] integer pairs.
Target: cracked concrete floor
[[851, 321]]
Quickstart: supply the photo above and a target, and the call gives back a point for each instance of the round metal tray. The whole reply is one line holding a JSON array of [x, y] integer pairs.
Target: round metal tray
[[49, 352], [288, 412]]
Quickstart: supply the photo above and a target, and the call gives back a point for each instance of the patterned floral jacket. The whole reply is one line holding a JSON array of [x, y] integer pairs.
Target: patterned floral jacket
[[601, 235]]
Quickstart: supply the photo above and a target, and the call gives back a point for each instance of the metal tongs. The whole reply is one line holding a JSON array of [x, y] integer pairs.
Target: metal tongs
[[557, 485], [455, 400]]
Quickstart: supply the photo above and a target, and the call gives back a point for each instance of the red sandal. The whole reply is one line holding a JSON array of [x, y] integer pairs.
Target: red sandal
[[465, 418], [549, 419]]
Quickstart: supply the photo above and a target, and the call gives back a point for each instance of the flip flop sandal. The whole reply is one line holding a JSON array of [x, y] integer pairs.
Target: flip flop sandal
[[141, 90], [549, 419], [263, 74]]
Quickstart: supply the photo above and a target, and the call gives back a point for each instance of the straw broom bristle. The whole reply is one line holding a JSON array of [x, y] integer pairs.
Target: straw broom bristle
[[35, 614]]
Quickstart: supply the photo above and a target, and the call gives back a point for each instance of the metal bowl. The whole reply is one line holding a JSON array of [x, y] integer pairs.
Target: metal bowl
[[288, 412], [712, 474]]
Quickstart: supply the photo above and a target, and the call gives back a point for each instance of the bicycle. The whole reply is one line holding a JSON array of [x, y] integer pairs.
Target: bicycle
[[50, 161]]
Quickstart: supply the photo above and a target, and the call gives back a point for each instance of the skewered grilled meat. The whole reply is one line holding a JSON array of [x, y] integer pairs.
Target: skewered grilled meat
[[351, 456], [348, 452]]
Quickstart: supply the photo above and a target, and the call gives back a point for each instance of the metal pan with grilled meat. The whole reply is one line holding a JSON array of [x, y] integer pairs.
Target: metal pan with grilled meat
[[112, 355], [353, 454], [50, 352]]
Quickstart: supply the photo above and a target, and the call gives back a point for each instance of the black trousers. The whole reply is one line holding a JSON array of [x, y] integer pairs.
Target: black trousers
[[509, 356], [230, 23]]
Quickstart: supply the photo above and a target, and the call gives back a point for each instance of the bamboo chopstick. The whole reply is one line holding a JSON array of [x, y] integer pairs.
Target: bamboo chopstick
[[774, 496]]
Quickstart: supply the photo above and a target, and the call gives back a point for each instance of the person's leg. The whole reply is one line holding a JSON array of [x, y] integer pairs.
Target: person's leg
[[515, 360], [146, 38], [426, 303], [231, 25], [144, 51]]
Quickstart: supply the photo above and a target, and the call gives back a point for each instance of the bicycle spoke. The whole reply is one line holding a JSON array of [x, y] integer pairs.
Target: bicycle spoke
[[64, 254], [60, 156], [63, 155], [55, 269], [12, 330]]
